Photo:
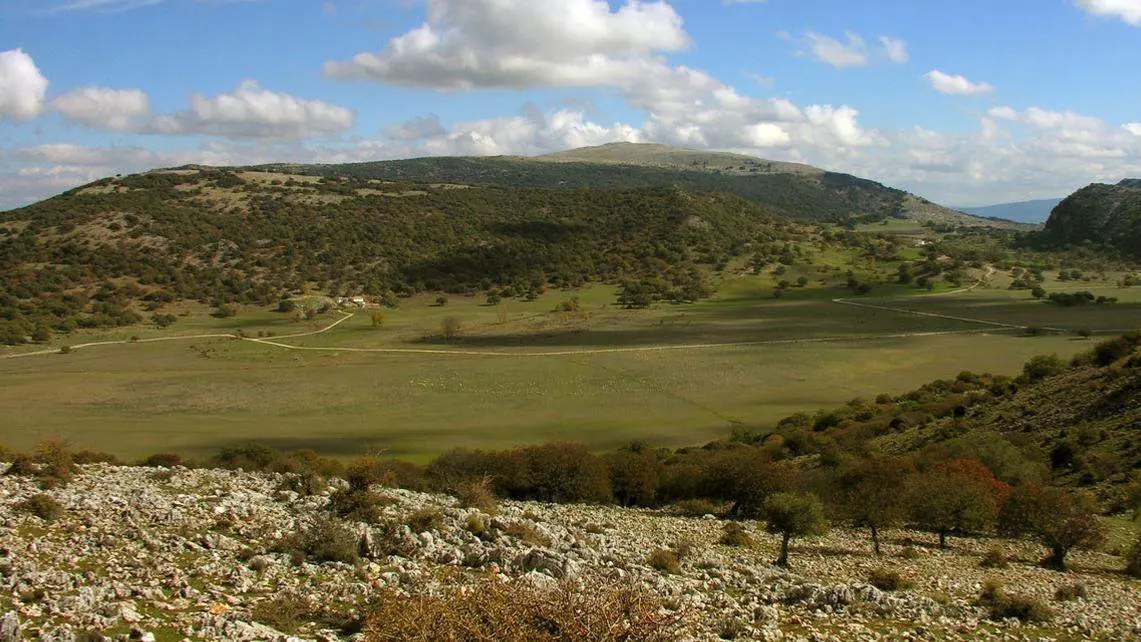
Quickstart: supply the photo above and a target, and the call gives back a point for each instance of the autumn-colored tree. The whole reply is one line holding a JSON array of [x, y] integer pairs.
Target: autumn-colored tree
[[960, 496], [634, 477], [793, 515], [872, 493], [745, 476], [1062, 521]]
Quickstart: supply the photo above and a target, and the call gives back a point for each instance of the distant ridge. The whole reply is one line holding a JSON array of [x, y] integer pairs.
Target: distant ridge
[[1034, 212]]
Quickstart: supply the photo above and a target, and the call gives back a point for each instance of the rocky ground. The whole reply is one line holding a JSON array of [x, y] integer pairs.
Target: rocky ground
[[178, 554]]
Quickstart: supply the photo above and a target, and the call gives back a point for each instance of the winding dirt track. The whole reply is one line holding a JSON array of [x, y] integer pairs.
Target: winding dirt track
[[276, 342]]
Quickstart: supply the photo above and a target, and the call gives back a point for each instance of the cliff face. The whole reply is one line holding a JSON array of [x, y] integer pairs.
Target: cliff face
[[1100, 214]]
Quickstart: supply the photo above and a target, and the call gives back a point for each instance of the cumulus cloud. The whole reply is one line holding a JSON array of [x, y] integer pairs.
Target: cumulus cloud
[[1133, 128], [895, 49], [469, 44], [851, 52], [416, 129], [1127, 10], [956, 84], [116, 109], [22, 86], [252, 112]]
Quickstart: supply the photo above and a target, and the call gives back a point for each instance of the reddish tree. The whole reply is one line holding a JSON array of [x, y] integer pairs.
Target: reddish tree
[[959, 496], [1060, 520]]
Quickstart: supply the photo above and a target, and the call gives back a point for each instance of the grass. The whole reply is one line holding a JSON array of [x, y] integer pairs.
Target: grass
[[197, 396]]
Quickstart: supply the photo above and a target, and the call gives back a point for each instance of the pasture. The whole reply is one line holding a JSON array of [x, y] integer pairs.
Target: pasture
[[518, 372]]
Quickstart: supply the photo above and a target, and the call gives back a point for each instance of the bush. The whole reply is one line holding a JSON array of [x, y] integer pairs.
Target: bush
[[84, 457], [248, 456], [518, 612], [425, 519], [1133, 560], [664, 560], [286, 613], [733, 534], [1043, 366], [43, 506], [22, 466], [325, 540], [477, 525], [1002, 606], [697, 508], [909, 553], [527, 533], [477, 494], [163, 460], [886, 580], [1071, 592], [994, 558], [358, 505], [370, 471]]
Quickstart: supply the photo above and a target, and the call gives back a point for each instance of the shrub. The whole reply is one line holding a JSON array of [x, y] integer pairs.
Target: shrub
[[358, 506], [909, 553], [477, 494], [684, 548], [664, 560], [22, 466], [527, 533], [42, 506], [163, 460], [1043, 366], [248, 456], [886, 580], [370, 471], [1133, 559], [697, 508], [425, 519], [635, 477], [1071, 592], [994, 558], [477, 525], [325, 540], [58, 463], [286, 613], [1002, 606], [520, 612], [94, 457], [733, 534]]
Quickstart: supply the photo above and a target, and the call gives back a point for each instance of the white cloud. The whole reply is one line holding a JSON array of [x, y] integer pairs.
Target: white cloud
[[1127, 10], [416, 129], [956, 84], [1133, 128], [22, 86], [252, 112], [116, 109], [895, 49], [469, 44], [839, 54]]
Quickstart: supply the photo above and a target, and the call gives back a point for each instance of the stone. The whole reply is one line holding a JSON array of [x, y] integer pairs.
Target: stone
[[10, 630]]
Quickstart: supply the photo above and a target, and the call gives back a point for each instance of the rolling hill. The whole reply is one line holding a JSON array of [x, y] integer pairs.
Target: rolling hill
[[799, 192]]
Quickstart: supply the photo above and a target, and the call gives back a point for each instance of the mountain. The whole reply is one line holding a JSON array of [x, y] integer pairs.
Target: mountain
[[799, 192], [1105, 216], [97, 254], [1034, 212]]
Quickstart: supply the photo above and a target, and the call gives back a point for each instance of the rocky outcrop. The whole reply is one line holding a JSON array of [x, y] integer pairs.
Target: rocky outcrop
[[195, 553]]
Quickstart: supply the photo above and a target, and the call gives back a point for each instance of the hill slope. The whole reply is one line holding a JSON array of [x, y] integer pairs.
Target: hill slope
[[1034, 212], [796, 191], [1107, 216]]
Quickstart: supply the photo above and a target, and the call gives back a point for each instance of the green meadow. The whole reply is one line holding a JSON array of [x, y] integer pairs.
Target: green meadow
[[520, 372]]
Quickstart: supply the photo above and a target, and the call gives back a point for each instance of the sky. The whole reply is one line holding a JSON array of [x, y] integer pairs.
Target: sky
[[965, 102]]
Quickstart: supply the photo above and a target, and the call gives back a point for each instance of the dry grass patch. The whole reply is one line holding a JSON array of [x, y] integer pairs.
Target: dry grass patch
[[519, 612]]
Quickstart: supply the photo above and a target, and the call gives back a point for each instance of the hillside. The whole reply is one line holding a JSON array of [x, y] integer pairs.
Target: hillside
[[1101, 215], [219, 236], [176, 553], [1034, 212], [795, 191]]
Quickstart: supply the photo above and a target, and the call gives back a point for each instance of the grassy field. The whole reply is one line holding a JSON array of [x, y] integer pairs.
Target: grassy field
[[672, 375]]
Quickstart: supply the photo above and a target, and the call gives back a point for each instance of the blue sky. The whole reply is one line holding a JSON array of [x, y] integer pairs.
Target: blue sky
[[966, 102]]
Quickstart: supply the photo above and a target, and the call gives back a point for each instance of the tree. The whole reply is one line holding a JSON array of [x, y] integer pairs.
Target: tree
[[1060, 520], [441, 300], [1043, 366], [960, 496], [451, 327], [793, 515], [634, 476], [1038, 292], [745, 476], [873, 493]]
